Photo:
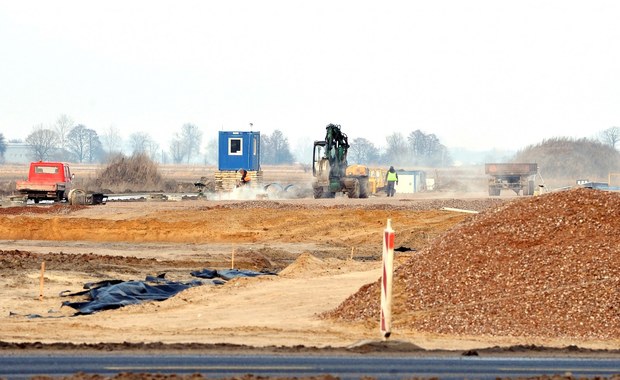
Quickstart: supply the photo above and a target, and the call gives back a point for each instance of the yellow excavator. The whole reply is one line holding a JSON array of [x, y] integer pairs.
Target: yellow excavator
[[331, 172]]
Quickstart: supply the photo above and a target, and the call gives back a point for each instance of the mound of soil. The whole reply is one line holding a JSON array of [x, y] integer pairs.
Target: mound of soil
[[565, 157], [304, 262], [546, 266], [130, 174]]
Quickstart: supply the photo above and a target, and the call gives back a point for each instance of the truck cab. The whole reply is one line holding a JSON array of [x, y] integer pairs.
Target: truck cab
[[46, 181]]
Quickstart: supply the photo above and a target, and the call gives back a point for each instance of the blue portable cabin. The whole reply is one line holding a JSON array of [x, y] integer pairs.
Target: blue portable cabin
[[238, 150]]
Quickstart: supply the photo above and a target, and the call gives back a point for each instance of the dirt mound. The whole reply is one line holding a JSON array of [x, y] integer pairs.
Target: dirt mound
[[305, 262], [545, 266], [129, 174], [309, 266], [565, 157]]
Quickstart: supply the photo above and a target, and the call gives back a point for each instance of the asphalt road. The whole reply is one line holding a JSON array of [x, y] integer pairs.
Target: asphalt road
[[344, 367]]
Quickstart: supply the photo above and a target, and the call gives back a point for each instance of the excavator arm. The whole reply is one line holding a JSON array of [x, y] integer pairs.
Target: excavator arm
[[337, 145]]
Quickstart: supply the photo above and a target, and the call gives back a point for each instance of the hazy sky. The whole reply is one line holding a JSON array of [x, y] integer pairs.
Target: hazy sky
[[478, 74]]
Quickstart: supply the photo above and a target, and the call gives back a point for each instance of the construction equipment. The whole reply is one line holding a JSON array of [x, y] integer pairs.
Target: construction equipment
[[330, 169], [376, 179], [518, 177], [53, 181]]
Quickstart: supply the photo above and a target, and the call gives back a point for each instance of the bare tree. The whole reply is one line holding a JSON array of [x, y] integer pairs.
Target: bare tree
[[275, 149], [176, 149], [210, 152], [610, 136], [191, 138], [62, 127], [426, 149], [152, 149], [112, 141], [83, 144], [396, 152], [76, 142], [42, 141], [139, 142], [418, 143], [94, 149], [362, 151]]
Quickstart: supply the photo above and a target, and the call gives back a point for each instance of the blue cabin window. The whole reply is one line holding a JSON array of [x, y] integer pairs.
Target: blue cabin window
[[235, 146]]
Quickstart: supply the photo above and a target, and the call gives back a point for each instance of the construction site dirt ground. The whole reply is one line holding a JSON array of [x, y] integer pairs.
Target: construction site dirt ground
[[322, 251]]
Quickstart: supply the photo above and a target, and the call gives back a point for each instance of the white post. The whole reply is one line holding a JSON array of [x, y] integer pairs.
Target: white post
[[386, 281], [41, 281], [232, 259]]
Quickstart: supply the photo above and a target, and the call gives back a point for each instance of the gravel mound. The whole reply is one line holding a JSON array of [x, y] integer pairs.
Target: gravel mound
[[546, 266], [343, 204]]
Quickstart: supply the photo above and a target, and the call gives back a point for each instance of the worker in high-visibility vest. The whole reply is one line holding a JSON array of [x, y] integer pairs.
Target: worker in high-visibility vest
[[391, 178], [245, 177]]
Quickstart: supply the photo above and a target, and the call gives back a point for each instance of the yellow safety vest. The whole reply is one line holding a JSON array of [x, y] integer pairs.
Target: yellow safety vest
[[392, 177]]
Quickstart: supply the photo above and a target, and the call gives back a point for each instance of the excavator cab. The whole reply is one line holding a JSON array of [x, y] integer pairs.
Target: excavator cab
[[321, 170], [318, 155]]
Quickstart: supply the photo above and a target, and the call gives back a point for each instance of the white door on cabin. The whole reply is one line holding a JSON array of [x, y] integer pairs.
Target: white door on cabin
[[406, 184]]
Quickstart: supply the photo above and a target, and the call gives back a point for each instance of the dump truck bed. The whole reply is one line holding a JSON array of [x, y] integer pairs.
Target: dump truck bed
[[503, 169]]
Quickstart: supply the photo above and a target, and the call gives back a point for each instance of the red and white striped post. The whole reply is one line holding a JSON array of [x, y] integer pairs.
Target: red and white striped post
[[386, 281]]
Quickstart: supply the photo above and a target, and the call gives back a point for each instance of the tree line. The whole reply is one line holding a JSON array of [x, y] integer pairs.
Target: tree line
[[417, 149], [68, 141]]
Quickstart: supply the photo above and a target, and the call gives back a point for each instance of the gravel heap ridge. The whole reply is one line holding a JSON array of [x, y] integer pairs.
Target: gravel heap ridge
[[546, 266]]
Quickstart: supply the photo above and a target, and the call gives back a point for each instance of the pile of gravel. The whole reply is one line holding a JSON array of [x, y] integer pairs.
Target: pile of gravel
[[546, 266], [404, 204]]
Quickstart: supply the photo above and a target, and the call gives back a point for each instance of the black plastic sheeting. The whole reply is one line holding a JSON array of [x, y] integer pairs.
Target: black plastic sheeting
[[402, 248], [113, 294], [227, 274]]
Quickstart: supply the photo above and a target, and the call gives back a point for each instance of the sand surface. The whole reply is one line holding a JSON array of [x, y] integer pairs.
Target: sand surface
[[322, 251]]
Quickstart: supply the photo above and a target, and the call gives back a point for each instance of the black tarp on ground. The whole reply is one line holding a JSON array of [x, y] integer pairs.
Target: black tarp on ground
[[227, 274], [113, 294]]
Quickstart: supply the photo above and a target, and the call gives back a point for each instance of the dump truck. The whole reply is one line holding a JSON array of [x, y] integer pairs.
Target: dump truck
[[377, 181], [330, 169], [53, 181], [518, 177]]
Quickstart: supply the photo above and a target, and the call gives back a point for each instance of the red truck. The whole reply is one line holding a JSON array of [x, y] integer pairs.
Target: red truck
[[46, 181], [53, 181]]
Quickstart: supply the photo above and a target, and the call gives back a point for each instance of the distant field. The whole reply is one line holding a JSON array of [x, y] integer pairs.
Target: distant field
[[16, 171], [285, 174], [462, 179]]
